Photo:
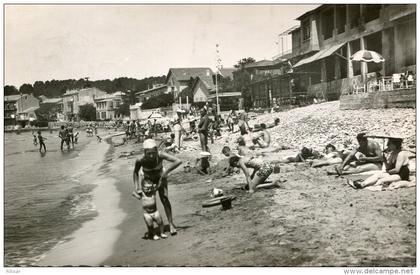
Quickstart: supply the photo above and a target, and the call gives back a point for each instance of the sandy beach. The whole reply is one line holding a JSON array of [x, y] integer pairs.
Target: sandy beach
[[311, 220]]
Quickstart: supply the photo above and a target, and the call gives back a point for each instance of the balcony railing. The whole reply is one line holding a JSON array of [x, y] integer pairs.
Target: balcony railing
[[400, 10]]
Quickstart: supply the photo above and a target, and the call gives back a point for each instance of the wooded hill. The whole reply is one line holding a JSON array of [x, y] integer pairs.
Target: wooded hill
[[56, 88]]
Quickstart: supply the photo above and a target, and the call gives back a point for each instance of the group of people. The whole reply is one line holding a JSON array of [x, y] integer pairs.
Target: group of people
[[150, 176], [67, 136]]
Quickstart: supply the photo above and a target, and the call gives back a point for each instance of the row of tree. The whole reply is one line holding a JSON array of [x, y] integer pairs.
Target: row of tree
[[56, 88]]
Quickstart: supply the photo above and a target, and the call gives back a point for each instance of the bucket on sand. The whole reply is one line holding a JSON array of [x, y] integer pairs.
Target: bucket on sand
[[226, 203]]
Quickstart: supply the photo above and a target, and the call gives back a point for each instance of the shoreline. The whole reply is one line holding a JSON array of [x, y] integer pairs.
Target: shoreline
[[311, 219], [93, 241]]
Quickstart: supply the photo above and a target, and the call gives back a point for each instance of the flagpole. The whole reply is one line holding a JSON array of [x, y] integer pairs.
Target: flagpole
[[217, 73]]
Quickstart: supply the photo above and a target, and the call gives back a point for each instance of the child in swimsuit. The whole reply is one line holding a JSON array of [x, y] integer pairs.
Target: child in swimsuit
[[150, 211]]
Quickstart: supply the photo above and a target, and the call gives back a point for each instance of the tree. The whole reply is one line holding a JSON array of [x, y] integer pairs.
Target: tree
[[47, 112], [10, 90], [87, 112], [26, 89], [243, 62]]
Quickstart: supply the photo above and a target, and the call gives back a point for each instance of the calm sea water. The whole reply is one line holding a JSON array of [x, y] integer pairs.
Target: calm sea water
[[47, 196]]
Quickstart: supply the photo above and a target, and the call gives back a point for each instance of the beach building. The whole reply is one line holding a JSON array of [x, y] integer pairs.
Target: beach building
[[10, 109], [72, 99], [178, 79], [156, 90], [20, 109], [203, 90], [329, 35], [107, 106]]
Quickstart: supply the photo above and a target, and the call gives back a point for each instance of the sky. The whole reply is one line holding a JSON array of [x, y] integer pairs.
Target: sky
[[45, 42]]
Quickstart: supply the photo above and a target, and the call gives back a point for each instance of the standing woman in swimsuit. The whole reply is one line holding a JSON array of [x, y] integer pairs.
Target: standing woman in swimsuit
[[262, 170], [396, 167], [153, 173]]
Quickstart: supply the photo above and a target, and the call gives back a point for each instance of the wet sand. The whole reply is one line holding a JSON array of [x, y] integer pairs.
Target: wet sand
[[312, 220]]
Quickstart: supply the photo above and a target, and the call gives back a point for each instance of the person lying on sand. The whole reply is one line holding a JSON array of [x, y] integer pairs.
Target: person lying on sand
[[262, 170], [396, 168], [302, 156], [150, 212], [152, 170], [332, 157], [367, 157]]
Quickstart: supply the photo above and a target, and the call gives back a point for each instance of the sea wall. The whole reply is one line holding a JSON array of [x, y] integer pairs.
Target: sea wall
[[404, 98]]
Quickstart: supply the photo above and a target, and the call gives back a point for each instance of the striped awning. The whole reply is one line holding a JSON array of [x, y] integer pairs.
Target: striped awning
[[319, 55]]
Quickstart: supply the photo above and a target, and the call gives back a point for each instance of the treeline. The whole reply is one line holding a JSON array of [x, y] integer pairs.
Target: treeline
[[56, 88]]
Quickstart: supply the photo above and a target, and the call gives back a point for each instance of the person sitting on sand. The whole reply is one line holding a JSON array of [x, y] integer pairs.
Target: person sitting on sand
[[367, 157], [332, 157], [396, 167], [150, 212], [151, 165], [170, 145], [262, 170], [202, 164], [263, 139]]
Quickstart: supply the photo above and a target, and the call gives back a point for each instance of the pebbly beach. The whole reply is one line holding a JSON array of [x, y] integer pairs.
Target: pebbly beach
[[309, 219]]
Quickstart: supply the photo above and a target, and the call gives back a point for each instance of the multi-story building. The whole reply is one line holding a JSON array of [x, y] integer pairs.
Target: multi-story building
[[73, 99], [178, 79], [20, 109], [10, 109], [107, 106], [331, 34], [326, 39]]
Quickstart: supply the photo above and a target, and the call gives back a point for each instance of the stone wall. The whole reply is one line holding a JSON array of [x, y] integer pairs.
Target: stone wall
[[404, 98]]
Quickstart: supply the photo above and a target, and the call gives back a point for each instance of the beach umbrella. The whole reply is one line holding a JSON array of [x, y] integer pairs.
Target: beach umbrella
[[155, 115], [367, 56]]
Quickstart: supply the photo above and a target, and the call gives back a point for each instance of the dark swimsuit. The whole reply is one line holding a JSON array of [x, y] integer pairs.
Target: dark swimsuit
[[152, 170], [404, 171]]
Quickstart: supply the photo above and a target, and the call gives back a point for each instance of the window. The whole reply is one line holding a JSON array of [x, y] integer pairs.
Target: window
[[341, 18], [327, 19], [306, 30], [354, 13], [372, 12]]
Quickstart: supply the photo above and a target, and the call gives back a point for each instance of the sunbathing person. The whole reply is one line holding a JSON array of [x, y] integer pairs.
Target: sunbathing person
[[262, 170], [396, 167], [366, 157], [332, 157], [302, 156], [263, 139]]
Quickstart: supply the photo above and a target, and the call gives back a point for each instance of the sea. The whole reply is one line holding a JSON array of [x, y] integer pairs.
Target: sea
[[46, 195]]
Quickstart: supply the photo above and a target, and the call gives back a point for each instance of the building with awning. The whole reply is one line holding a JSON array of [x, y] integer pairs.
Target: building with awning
[[318, 63], [319, 55], [331, 33]]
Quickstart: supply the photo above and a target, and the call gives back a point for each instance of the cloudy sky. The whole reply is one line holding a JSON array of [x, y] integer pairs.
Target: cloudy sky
[[45, 42]]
